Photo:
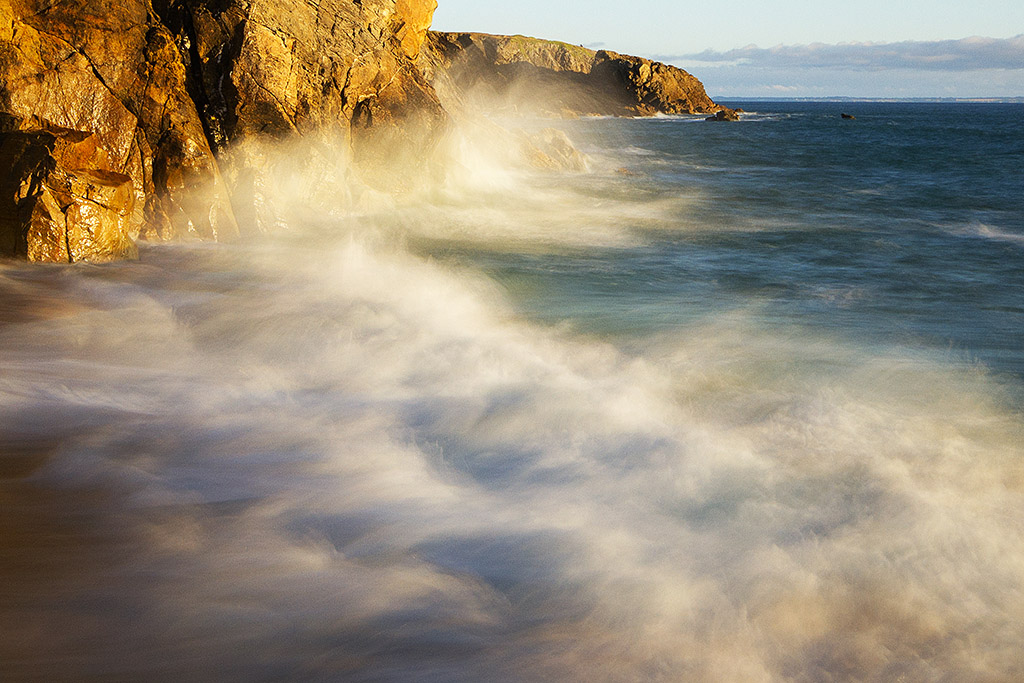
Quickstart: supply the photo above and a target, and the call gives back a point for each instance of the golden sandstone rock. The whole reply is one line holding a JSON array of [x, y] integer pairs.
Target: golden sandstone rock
[[413, 18], [160, 88], [53, 207], [82, 215], [113, 71]]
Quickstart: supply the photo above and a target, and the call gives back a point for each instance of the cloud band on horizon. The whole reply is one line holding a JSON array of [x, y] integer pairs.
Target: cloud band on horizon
[[967, 54]]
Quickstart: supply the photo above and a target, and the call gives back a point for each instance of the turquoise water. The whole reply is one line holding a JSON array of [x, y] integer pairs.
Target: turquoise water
[[742, 403]]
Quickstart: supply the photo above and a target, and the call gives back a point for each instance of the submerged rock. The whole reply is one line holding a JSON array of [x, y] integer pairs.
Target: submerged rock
[[552, 149], [724, 115]]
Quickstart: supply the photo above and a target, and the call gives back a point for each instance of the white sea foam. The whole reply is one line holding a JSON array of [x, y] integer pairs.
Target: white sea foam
[[324, 456], [991, 232]]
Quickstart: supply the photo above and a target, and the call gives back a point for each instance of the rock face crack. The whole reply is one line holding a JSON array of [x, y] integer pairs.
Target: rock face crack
[[178, 18], [45, 9], [126, 102], [282, 105], [67, 240], [75, 49]]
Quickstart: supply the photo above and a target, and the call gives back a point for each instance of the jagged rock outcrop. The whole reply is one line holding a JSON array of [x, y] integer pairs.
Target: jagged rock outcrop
[[654, 87], [275, 67], [50, 182], [516, 74], [160, 87], [340, 69], [111, 70]]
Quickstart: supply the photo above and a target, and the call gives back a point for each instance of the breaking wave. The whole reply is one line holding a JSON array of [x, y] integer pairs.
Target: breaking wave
[[334, 453]]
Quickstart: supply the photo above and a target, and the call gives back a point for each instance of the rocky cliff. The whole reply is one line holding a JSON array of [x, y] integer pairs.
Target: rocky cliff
[[111, 113], [278, 67], [516, 74], [110, 78], [150, 118]]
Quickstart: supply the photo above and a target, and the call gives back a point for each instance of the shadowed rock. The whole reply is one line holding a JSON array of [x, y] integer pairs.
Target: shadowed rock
[[724, 115]]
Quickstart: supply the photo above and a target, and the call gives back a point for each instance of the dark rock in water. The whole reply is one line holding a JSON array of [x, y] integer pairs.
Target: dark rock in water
[[520, 75], [724, 115], [848, 116]]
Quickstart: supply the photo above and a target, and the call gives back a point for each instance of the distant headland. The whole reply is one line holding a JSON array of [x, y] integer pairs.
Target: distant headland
[[522, 75]]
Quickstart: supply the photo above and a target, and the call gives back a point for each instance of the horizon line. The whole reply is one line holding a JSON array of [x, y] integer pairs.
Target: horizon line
[[1015, 99]]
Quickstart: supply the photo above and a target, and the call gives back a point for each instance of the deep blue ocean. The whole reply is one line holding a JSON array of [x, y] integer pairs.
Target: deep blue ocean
[[742, 402]]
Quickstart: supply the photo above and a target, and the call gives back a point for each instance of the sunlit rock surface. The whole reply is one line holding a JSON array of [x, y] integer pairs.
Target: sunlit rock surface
[[113, 71], [337, 69], [282, 66], [162, 86], [51, 183]]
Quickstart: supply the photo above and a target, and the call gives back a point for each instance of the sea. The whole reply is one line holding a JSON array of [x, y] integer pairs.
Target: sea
[[742, 402]]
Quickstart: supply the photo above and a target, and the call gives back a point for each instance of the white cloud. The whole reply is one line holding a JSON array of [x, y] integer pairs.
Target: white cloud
[[968, 54]]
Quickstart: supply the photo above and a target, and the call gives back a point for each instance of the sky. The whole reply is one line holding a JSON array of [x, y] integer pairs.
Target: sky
[[789, 48]]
